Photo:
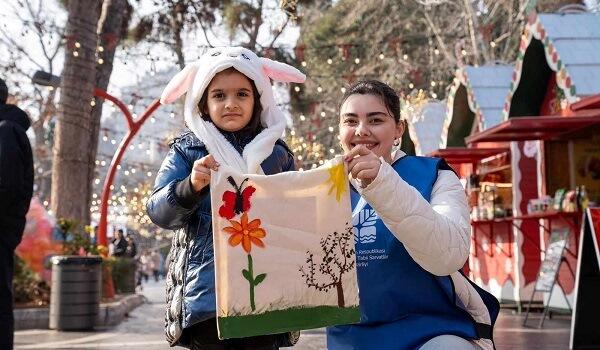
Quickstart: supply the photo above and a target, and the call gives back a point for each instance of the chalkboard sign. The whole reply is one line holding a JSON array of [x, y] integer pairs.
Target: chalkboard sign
[[552, 259], [584, 323]]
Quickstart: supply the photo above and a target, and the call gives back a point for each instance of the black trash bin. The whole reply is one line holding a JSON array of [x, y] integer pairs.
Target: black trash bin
[[75, 292]]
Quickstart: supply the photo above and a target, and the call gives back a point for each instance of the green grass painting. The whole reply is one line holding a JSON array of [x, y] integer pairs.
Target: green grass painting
[[279, 321]]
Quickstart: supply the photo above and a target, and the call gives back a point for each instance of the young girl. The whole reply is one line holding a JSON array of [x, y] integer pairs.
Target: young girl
[[411, 293], [233, 119]]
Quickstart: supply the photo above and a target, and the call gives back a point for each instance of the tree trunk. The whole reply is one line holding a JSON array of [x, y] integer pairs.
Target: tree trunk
[[115, 15], [72, 143], [340, 294], [42, 151]]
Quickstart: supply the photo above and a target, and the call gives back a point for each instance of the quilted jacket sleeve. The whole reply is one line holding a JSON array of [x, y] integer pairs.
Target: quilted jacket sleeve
[[170, 205], [435, 234]]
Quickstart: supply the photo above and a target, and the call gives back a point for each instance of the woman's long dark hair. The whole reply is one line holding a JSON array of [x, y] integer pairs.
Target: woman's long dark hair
[[376, 88]]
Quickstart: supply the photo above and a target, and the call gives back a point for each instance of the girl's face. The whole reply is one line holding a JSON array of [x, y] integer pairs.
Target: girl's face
[[365, 120], [230, 100]]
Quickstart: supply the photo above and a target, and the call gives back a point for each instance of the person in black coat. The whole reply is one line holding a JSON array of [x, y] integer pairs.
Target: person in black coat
[[16, 187], [119, 245]]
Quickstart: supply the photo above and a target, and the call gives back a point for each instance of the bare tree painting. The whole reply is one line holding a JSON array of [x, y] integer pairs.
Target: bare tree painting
[[337, 260]]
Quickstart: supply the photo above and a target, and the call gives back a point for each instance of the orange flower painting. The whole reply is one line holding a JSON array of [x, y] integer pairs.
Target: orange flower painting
[[246, 233]]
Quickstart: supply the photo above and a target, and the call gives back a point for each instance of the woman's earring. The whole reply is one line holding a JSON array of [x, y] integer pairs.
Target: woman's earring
[[397, 142]]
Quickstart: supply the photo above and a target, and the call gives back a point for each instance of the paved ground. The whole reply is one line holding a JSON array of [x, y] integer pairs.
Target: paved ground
[[144, 330]]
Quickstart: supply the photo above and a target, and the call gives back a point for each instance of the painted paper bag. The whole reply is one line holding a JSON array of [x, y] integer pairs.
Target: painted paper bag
[[284, 250]]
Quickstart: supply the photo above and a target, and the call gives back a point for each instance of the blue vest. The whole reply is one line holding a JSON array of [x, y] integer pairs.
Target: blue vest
[[402, 305]]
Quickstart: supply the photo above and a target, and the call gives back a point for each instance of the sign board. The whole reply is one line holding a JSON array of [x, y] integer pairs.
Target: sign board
[[584, 322], [552, 259], [284, 251]]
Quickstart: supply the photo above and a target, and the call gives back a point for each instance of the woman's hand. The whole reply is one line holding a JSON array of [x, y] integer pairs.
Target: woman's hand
[[200, 176], [363, 164]]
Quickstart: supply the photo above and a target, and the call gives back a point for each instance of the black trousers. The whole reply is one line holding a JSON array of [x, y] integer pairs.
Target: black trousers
[[6, 298], [203, 336]]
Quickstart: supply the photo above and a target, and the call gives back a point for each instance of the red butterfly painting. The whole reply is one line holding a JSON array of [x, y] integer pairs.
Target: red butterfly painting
[[236, 202]]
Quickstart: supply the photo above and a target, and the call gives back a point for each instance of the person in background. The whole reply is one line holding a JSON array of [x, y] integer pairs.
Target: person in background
[[131, 250], [156, 262], [145, 265], [119, 244], [16, 188]]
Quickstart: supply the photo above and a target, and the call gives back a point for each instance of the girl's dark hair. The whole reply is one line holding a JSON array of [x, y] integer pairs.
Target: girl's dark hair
[[256, 111], [375, 87]]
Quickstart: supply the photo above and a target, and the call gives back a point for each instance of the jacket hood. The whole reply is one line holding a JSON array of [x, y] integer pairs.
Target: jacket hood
[[14, 114], [196, 77]]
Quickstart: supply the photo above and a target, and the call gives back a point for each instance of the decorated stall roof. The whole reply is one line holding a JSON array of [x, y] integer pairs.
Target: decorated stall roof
[[566, 44], [475, 101]]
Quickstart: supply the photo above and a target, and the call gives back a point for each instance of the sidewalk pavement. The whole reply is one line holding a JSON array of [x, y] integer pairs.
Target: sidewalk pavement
[[143, 330]]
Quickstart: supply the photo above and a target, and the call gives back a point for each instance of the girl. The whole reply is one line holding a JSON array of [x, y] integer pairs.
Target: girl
[[411, 293], [233, 119]]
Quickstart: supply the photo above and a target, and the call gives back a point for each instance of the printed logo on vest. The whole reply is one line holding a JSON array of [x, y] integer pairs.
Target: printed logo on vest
[[364, 226]]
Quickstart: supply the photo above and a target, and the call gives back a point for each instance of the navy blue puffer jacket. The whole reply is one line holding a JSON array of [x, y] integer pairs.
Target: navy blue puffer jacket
[[174, 206]]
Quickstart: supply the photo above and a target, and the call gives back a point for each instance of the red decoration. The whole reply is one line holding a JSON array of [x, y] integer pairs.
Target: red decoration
[[395, 43], [110, 40], [236, 202], [299, 52], [346, 50]]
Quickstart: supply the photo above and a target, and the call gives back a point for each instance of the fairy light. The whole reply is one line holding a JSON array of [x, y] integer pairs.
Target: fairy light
[[319, 89], [463, 52], [357, 60], [323, 114], [329, 61], [297, 88], [343, 90], [381, 56], [303, 63], [436, 51], [405, 57], [492, 43], [100, 61], [302, 117]]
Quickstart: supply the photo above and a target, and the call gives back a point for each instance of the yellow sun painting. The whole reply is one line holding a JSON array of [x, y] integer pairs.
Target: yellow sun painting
[[338, 180]]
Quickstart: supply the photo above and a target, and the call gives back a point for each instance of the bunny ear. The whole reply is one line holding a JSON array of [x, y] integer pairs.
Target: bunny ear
[[281, 72], [179, 85]]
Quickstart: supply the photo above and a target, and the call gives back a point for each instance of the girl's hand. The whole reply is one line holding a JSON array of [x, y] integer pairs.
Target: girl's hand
[[200, 176], [363, 164]]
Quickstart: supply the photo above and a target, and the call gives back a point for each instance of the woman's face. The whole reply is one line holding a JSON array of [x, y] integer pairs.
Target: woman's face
[[365, 120], [230, 101]]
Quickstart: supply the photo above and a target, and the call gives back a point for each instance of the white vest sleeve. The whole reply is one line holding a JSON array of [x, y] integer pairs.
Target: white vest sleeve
[[435, 234]]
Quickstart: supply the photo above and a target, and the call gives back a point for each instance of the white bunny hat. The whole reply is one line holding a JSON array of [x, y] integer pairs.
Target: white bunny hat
[[196, 77]]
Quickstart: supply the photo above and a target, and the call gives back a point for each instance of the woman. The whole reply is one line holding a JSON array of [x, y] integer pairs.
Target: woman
[[412, 295]]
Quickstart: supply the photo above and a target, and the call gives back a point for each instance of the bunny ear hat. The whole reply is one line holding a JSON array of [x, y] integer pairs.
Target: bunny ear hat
[[196, 77]]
